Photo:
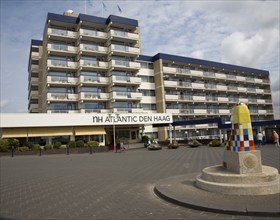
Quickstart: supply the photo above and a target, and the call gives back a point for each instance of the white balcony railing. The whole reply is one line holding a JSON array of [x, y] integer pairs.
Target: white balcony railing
[[93, 48], [62, 47], [62, 33], [123, 34], [125, 49], [94, 79], [94, 63], [62, 80], [124, 64], [93, 33], [62, 64]]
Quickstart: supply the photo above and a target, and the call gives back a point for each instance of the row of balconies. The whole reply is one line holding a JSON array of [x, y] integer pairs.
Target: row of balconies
[[211, 111], [202, 74], [93, 64], [94, 49], [92, 80], [181, 98], [211, 87], [93, 35], [113, 110], [82, 96]]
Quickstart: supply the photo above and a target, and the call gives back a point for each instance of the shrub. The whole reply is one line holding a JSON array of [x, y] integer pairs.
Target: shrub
[[13, 142], [4, 145], [35, 147], [57, 145], [93, 143], [71, 144], [23, 149], [80, 143], [194, 142], [215, 143], [29, 144], [48, 147]]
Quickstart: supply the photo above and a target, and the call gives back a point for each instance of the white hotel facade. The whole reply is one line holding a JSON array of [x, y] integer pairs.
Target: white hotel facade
[[93, 65]]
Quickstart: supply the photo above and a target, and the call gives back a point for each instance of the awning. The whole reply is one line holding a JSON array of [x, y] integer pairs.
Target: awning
[[89, 130], [51, 131], [14, 132]]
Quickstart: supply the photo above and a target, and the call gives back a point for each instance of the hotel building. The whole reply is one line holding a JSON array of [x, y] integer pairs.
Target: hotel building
[[88, 64]]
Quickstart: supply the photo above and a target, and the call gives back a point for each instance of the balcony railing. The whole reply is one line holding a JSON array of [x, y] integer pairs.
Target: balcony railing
[[62, 97], [93, 33], [62, 47], [94, 79], [94, 63], [124, 64], [94, 96], [126, 79], [62, 80], [62, 64], [123, 34], [125, 49], [127, 95], [93, 48], [63, 33]]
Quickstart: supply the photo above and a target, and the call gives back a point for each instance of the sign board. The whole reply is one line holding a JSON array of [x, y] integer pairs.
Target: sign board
[[52, 120]]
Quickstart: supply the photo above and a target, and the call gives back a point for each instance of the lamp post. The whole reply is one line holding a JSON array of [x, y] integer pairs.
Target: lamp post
[[112, 116]]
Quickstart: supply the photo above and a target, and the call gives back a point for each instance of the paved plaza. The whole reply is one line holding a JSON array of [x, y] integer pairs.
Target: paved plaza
[[106, 185]]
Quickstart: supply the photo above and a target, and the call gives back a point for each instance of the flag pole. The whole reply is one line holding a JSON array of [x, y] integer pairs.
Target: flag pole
[[85, 6]]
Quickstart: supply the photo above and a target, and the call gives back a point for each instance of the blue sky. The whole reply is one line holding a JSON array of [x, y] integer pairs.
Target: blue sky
[[244, 33]]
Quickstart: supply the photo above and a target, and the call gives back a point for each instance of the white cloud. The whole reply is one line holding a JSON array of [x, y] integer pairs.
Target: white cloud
[[199, 54], [4, 103], [248, 51]]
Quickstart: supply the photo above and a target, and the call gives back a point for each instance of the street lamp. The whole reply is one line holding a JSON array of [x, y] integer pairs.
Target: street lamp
[[112, 116]]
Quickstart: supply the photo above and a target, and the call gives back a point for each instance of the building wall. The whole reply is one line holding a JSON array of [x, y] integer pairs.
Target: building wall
[[87, 64]]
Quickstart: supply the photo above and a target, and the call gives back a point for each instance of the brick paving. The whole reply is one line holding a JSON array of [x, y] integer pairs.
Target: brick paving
[[105, 185]]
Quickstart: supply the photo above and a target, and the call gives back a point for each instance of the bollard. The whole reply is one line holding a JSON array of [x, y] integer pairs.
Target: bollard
[[67, 150], [13, 150]]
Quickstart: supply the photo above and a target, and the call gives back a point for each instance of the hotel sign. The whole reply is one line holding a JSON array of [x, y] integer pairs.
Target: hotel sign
[[81, 119], [121, 119]]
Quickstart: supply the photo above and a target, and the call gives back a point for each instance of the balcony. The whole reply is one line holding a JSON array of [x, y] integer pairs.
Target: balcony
[[88, 49], [34, 81], [95, 110], [94, 96], [59, 34], [35, 55], [34, 68], [93, 64], [124, 50], [126, 96], [60, 80], [171, 97], [126, 80], [127, 110], [62, 64], [91, 80], [58, 49], [223, 99], [93, 35], [62, 97], [199, 98], [63, 111], [33, 95], [123, 36], [124, 65]]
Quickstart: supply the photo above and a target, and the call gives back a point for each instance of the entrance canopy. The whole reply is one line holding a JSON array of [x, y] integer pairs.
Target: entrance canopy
[[43, 125]]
